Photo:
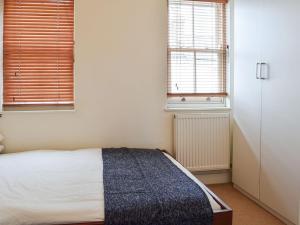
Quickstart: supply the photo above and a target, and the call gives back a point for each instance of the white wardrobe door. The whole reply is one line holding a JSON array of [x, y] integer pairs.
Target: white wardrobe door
[[280, 173], [247, 97]]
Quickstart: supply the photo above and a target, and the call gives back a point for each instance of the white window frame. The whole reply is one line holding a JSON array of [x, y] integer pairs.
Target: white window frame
[[210, 103]]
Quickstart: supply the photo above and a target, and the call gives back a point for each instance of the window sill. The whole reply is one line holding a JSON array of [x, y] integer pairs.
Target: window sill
[[38, 109], [198, 109]]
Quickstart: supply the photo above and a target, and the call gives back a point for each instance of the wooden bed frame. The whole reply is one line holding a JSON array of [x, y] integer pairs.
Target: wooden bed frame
[[221, 217]]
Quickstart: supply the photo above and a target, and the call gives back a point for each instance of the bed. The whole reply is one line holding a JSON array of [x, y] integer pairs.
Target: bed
[[66, 187]]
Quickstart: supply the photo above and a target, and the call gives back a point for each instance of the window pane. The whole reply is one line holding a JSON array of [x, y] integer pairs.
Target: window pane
[[181, 26], [208, 70], [205, 26], [182, 69]]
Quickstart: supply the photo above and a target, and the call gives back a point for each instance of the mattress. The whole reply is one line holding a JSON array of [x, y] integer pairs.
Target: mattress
[[48, 187]]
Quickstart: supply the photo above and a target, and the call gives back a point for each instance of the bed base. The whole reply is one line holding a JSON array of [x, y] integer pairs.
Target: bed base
[[221, 217], [224, 215]]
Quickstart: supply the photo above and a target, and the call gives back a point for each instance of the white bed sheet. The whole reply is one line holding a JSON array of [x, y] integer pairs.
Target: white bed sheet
[[49, 187]]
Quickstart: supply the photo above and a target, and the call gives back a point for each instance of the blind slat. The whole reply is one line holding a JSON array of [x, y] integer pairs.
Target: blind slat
[[38, 52], [197, 51]]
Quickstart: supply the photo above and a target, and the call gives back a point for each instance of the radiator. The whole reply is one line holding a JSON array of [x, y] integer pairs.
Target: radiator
[[202, 141]]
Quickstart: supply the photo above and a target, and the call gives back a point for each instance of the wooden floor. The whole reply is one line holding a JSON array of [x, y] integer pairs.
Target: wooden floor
[[245, 211]]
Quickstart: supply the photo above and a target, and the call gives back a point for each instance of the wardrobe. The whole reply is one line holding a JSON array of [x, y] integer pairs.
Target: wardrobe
[[266, 155]]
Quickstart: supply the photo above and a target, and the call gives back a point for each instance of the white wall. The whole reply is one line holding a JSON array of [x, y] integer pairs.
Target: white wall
[[120, 75]]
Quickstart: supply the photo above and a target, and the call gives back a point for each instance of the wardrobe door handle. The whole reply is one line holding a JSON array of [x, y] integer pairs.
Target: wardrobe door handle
[[258, 76], [262, 65]]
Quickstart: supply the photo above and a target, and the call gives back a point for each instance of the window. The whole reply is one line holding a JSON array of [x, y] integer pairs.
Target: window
[[38, 52], [197, 50]]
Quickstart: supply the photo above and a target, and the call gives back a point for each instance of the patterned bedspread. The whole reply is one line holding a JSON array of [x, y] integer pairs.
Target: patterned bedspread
[[143, 187]]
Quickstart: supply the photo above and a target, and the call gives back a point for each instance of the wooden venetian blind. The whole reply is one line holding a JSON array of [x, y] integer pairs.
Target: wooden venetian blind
[[197, 48], [38, 52]]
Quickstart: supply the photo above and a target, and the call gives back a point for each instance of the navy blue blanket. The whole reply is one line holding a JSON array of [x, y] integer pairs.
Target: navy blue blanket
[[143, 187]]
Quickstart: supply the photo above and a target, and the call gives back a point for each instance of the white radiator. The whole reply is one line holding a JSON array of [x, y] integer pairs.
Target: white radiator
[[202, 141]]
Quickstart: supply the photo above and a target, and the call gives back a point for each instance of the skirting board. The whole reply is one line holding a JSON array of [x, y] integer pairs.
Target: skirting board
[[214, 177], [284, 220]]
